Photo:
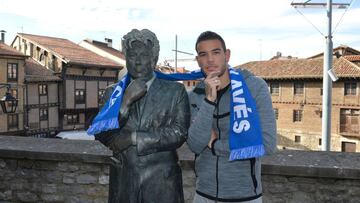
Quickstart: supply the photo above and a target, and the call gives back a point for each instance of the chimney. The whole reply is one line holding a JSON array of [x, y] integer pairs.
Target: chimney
[[109, 42], [2, 36]]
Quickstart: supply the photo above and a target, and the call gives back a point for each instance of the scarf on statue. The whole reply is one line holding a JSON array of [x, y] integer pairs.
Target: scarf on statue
[[245, 135]]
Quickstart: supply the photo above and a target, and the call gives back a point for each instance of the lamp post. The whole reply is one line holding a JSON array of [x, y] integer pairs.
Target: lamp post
[[8, 102]]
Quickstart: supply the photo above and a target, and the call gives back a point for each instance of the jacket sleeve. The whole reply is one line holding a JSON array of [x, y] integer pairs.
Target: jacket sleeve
[[168, 137], [199, 132], [260, 92]]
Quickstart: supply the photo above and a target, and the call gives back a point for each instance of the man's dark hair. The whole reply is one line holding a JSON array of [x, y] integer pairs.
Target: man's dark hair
[[209, 35]]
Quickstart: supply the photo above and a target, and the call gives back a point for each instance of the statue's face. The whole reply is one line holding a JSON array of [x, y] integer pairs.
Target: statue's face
[[139, 61]]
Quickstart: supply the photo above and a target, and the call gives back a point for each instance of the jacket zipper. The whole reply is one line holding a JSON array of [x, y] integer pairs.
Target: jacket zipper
[[217, 157]]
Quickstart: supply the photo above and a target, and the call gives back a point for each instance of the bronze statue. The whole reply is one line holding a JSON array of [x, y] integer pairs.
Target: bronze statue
[[153, 119]]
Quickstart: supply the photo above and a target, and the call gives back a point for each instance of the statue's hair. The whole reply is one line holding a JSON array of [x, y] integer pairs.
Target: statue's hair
[[145, 36]]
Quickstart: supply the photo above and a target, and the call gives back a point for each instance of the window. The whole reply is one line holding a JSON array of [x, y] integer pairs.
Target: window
[[348, 147], [320, 140], [350, 88], [43, 114], [72, 118], [100, 97], [297, 138], [298, 88], [276, 112], [274, 88], [13, 120], [12, 71], [297, 115], [79, 96], [350, 121], [321, 91], [43, 89]]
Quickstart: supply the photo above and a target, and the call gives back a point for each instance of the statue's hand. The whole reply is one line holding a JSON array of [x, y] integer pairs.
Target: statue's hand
[[121, 141], [136, 89]]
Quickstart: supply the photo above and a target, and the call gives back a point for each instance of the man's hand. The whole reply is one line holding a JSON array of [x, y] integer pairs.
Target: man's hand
[[121, 140], [212, 83], [213, 137]]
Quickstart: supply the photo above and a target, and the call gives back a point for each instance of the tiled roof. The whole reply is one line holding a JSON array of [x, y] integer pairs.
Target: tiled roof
[[300, 68], [343, 50], [103, 46], [352, 58], [34, 72], [9, 51], [69, 51]]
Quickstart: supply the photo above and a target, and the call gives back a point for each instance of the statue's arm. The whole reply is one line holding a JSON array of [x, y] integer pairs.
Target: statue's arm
[[168, 137]]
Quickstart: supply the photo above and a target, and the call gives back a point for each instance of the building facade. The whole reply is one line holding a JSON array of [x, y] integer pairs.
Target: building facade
[[12, 65], [296, 90], [63, 83]]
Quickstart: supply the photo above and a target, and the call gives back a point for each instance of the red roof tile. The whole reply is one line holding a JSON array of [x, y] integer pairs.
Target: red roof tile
[[34, 72], [9, 51], [352, 58], [300, 68], [71, 52]]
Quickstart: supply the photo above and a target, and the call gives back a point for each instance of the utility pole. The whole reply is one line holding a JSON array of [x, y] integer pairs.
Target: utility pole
[[328, 59], [176, 51], [327, 84]]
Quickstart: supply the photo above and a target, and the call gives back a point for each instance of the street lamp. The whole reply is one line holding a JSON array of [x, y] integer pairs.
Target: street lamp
[[8, 102]]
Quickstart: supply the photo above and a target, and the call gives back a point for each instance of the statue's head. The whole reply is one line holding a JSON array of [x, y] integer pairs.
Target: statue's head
[[141, 49]]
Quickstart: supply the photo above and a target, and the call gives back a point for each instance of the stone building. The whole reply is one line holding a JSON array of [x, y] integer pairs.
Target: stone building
[[296, 90], [59, 84]]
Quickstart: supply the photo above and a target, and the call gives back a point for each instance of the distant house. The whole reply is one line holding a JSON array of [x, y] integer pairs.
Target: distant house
[[189, 84], [295, 86], [106, 50], [65, 83], [41, 100]]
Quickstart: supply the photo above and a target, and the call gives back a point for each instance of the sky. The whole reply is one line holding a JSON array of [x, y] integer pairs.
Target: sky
[[253, 30]]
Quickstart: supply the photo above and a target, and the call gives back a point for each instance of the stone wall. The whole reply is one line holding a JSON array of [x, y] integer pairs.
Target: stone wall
[[292, 176], [52, 170]]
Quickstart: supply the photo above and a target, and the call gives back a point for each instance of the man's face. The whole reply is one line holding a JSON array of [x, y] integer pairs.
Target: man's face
[[212, 57], [139, 61]]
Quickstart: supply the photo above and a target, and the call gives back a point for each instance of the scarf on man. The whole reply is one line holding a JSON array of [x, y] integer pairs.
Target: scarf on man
[[245, 135]]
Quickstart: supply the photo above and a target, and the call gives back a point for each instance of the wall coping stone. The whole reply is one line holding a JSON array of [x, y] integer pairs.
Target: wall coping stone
[[320, 164], [317, 164], [90, 151]]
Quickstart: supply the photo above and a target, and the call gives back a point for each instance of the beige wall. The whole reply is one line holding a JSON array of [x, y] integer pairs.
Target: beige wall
[[70, 99], [33, 93], [14, 85], [53, 92], [91, 94], [53, 117]]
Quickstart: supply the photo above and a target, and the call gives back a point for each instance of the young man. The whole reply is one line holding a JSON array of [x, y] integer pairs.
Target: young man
[[218, 179], [153, 119]]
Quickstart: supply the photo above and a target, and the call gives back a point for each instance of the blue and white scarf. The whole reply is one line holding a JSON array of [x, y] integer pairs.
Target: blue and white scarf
[[245, 139]]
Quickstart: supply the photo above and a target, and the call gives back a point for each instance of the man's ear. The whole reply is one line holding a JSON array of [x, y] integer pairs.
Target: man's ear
[[227, 55]]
